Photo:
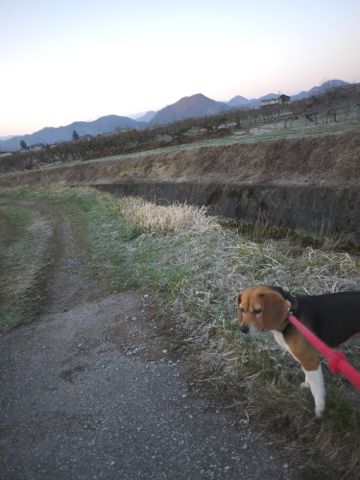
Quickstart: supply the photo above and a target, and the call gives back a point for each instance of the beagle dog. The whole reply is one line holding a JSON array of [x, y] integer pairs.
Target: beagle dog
[[332, 317]]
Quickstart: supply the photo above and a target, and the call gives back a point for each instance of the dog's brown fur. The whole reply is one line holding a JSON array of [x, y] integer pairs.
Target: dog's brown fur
[[273, 310], [264, 308], [334, 317]]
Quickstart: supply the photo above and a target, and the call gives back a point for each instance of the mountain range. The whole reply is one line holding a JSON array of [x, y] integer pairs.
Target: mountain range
[[197, 105], [51, 135], [242, 102]]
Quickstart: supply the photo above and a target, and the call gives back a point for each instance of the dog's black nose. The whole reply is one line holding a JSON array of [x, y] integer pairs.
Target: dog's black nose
[[244, 329]]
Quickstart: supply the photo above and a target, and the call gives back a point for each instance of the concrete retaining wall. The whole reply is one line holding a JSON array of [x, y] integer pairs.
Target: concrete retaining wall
[[315, 210]]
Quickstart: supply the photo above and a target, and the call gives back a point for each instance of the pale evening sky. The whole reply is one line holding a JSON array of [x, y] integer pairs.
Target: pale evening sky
[[62, 61]]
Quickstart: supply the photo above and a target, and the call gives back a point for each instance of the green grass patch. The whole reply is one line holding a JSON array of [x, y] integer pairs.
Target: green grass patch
[[23, 251]]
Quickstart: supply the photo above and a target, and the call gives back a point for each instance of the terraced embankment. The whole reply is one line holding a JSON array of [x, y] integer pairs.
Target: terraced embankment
[[320, 211], [309, 184]]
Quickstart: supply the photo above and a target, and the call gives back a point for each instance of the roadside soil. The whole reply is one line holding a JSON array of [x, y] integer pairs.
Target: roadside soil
[[90, 389], [5, 228]]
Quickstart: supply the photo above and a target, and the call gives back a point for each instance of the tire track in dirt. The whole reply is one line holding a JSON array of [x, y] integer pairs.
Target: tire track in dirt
[[5, 227], [89, 390]]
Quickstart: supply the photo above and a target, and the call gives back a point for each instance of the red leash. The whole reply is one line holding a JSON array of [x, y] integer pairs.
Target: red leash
[[337, 361]]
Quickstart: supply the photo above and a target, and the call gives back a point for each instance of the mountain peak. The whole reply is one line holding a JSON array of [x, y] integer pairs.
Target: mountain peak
[[320, 89], [197, 105]]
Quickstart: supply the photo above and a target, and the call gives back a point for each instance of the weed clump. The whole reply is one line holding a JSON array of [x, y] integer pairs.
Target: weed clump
[[147, 217]]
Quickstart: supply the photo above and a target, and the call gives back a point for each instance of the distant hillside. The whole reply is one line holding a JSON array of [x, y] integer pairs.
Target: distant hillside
[[318, 90], [243, 102], [188, 107], [238, 102], [7, 137], [147, 117], [51, 135]]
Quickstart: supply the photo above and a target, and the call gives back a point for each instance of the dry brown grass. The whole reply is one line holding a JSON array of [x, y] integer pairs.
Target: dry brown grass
[[161, 219]]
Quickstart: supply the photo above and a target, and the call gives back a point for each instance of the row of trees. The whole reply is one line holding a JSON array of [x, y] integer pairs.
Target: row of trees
[[186, 131], [23, 144]]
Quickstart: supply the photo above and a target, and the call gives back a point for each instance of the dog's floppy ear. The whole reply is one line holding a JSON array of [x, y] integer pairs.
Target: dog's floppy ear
[[238, 301], [275, 309]]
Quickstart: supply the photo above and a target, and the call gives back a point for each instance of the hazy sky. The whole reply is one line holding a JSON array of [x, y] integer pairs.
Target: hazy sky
[[62, 61]]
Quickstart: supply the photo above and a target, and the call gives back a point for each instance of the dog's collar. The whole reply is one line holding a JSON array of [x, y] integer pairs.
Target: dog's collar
[[285, 323]]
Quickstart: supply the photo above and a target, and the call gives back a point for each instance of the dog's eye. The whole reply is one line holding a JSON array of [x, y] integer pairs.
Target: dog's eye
[[242, 309], [256, 311]]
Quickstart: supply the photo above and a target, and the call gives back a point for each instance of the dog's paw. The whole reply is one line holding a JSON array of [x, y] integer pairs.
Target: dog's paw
[[305, 385]]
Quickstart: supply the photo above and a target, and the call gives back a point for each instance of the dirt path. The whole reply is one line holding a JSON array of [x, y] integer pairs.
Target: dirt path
[[5, 227], [89, 391]]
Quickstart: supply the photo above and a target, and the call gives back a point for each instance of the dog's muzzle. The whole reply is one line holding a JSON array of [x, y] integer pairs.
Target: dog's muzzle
[[245, 329]]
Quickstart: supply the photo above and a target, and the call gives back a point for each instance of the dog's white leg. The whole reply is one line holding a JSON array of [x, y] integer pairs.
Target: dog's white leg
[[315, 379]]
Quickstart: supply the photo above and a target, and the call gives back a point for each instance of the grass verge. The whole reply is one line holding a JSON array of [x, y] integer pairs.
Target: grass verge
[[197, 268], [23, 257]]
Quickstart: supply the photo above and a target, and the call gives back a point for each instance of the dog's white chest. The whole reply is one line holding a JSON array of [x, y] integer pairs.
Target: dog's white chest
[[279, 337]]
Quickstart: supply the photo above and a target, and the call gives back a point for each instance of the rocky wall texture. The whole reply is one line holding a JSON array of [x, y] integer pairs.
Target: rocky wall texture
[[305, 208]]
